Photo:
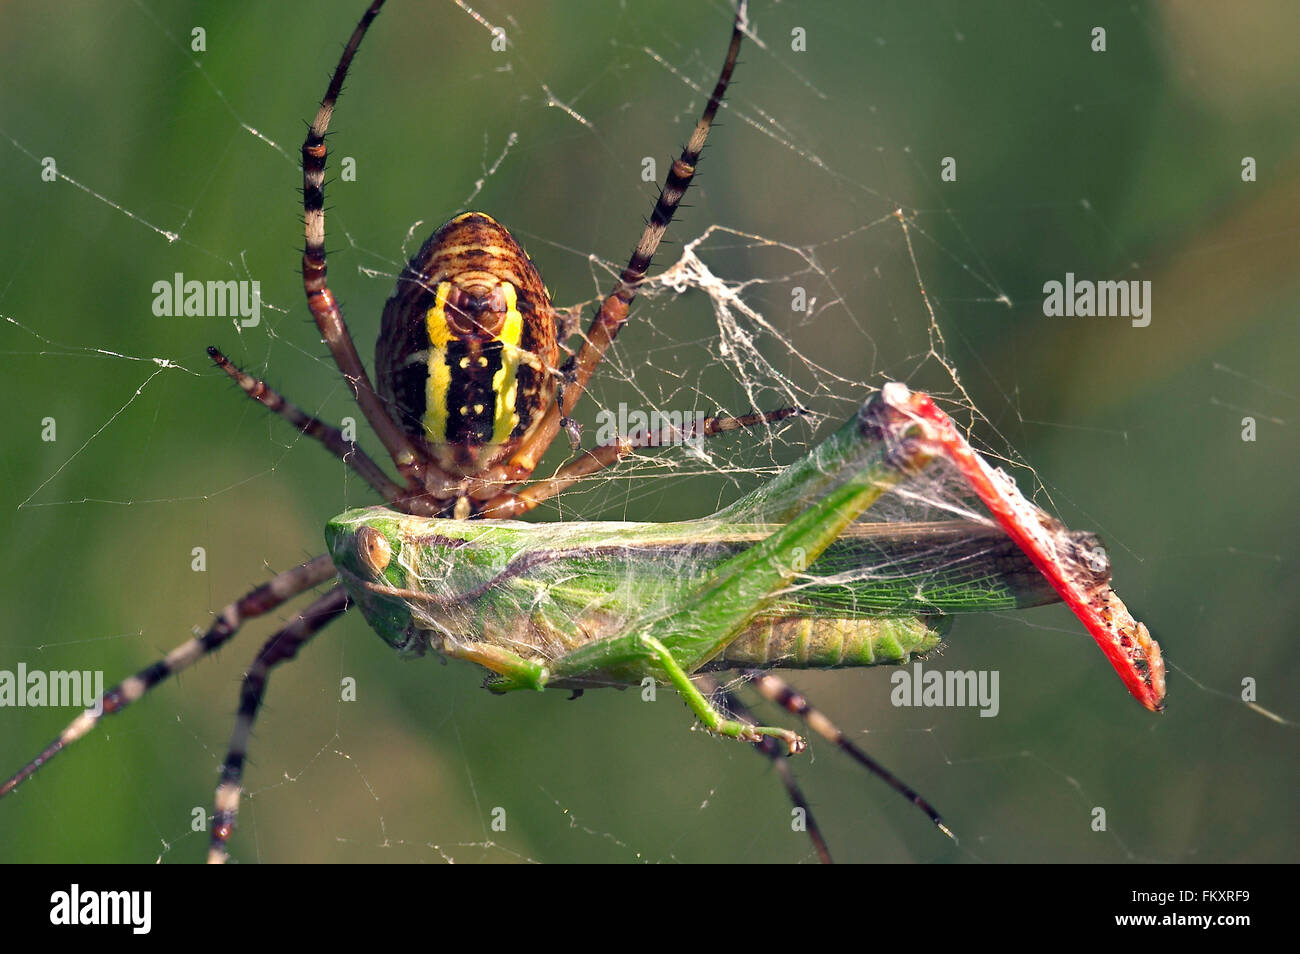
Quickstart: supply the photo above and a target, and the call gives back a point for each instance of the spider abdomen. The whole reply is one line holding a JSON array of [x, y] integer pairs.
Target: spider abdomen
[[467, 350]]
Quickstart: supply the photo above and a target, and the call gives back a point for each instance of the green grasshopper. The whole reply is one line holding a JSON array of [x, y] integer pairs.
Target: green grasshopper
[[784, 578]]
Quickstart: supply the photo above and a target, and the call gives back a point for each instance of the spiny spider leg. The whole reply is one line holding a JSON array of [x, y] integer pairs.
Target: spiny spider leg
[[607, 455], [777, 690], [324, 307], [613, 311], [329, 435], [282, 646], [280, 588], [778, 756]]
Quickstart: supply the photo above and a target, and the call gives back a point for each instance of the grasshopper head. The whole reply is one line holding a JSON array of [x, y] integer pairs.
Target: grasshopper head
[[367, 548]]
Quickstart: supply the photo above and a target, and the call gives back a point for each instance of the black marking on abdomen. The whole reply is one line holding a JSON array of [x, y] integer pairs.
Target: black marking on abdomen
[[471, 401]]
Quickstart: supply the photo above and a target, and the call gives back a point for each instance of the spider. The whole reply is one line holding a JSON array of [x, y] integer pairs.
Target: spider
[[469, 394]]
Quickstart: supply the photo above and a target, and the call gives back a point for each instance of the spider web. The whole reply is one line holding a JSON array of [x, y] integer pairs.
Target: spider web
[[820, 185]]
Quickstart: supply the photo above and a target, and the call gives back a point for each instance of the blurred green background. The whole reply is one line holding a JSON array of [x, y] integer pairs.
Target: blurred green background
[[1117, 165]]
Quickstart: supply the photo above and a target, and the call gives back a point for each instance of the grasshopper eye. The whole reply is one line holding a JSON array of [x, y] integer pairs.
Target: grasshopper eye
[[373, 550]]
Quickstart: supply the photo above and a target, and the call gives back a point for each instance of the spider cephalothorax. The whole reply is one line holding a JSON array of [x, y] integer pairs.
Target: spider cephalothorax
[[467, 351]]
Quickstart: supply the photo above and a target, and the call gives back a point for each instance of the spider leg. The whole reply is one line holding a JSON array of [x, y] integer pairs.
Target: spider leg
[[777, 690], [324, 306], [281, 587], [772, 749], [613, 310], [282, 646], [329, 435], [512, 504]]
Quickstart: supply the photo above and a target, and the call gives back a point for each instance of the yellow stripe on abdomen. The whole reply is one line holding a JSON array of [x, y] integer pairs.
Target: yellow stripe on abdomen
[[505, 383], [438, 383]]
